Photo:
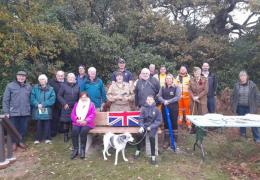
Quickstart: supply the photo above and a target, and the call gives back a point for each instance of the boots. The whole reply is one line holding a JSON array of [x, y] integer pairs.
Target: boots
[[74, 153], [82, 152], [75, 143]]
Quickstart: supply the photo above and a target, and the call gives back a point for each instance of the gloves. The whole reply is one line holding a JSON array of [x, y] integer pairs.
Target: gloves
[[141, 130], [166, 102], [149, 128]]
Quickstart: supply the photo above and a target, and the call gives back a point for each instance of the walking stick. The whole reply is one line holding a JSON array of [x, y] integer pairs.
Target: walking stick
[[173, 146]]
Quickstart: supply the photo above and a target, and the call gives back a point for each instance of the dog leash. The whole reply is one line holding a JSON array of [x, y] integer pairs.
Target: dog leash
[[134, 144]]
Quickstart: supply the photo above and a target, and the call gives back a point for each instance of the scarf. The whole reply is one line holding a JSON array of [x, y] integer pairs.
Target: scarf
[[82, 110]]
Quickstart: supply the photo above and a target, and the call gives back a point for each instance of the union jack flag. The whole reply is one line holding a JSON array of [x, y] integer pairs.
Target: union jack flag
[[130, 118]]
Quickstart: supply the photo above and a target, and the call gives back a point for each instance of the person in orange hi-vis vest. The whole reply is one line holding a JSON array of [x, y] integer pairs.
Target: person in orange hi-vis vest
[[183, 81]]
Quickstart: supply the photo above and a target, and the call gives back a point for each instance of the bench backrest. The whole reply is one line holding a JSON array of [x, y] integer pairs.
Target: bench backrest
[[101, 119]]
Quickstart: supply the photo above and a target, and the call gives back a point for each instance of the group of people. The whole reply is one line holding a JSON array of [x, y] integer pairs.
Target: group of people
[[59, 105]]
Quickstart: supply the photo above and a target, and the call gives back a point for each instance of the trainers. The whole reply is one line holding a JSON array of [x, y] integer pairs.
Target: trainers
[[153, 161], [36, 142], [48, 141], [137, 155]]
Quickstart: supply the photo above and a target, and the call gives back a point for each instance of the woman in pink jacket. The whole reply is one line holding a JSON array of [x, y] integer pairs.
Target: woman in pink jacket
[[82, 116]]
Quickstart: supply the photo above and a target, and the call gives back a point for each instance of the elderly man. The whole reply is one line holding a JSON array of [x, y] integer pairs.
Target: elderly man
[[127, 75], [146, 86], [212, 87], [56, 108], [95, 88], [16, 105]]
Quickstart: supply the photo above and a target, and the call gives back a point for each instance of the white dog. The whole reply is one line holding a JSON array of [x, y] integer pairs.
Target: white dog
[[118, 142]]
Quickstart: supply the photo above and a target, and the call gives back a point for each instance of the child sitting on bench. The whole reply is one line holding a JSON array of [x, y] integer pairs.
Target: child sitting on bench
[[150, 120]]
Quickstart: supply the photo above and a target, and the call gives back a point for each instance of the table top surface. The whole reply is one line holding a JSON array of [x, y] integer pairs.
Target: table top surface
[[219, 120]]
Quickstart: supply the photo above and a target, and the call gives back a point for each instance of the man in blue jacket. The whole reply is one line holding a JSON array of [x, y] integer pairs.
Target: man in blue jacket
[[95, 88], [16, 105]]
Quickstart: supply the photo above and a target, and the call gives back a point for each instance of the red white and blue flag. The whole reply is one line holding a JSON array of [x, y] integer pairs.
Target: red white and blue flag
[[129, 118]]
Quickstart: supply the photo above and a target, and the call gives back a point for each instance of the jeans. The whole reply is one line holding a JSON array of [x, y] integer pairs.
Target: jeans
[[152, 142], [81, 131], [43, 130], [211, 104], [242, 110], [20, 123]]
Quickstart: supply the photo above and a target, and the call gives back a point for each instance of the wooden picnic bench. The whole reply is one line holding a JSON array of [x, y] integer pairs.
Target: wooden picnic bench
[[103, 127]]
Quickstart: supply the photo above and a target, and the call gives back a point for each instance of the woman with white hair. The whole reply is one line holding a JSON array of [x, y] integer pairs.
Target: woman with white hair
[[42, 100], [67, 96], [244, 101]]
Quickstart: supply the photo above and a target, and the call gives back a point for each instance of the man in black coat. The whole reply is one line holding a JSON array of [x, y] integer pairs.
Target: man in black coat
[[146, 86], [56, 109]]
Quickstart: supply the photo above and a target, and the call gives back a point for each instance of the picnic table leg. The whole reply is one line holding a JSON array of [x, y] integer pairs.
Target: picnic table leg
[[200, 133]]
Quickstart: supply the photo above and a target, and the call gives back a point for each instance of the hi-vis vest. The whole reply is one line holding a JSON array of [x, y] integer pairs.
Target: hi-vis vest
[[184, 85]]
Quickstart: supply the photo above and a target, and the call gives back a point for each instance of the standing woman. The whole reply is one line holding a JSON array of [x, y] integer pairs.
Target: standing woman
[[67, 96], [42, 100], [82, 116], [244, 101], [120, 94], [198, 93], [169, 96]]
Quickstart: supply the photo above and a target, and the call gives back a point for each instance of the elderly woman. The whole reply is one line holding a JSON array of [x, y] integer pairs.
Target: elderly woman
[[42, 100], [244, 101], [67, 96], [198, 92], [169, 96], [82, 116], [120, 94]]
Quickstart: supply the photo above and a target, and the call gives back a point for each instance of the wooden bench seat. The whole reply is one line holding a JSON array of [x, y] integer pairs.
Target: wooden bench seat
[[103, 127]]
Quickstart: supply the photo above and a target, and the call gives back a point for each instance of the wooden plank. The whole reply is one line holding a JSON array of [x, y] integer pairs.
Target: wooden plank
[[106, 129], [101, 118]]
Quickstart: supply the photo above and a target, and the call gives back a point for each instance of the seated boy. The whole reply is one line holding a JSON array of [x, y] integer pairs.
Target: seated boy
[[150, 120]]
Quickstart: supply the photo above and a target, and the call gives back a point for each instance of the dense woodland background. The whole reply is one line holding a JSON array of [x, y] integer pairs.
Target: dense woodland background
[[41, 36]]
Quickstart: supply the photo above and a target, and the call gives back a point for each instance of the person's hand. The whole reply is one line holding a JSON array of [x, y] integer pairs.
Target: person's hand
[[141, 130], [7, 116], [40, 106], [196, 98], [166, 102], [66, 106], [149, 128]]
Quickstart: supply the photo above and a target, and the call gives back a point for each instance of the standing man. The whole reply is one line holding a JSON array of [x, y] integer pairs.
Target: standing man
[[95, 88], [212, 87], [16, 105], [127, 75], [183, 81], [161, 76], [146, 86], [81, 78], [56, 108]]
